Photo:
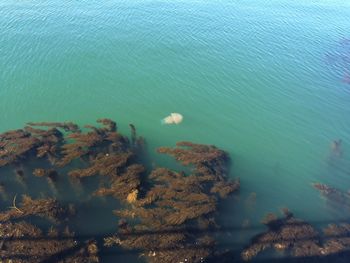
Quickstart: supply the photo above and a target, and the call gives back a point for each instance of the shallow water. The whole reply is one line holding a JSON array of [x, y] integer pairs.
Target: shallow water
[[266, 81]]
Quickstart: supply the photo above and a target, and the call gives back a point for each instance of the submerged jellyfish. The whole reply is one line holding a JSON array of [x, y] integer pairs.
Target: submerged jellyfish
[[173, 118]]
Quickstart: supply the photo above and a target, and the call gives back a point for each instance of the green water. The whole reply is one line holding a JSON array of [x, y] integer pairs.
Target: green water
[[252, 77]]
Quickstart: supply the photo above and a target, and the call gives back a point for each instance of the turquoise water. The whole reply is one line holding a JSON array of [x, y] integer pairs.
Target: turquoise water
[[262, 80]]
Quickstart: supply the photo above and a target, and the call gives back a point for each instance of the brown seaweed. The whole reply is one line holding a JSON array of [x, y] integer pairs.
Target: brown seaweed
[[297, 238], [175, 205], [15, 145], [333, 194], [25, 243], [207, 159], [124, 184], [337, 239], [168, 212], [39, 172], [19, 144], [103, 164], [66, 126], [99, 141], [47, 208], [111, 125], [289, 234]]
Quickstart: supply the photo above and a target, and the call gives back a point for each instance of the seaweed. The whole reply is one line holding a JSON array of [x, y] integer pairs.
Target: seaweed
[[23, 242], [207, 159], [15, 145], [103, 164], [164, 211], [298, 238], [294, 236], [333, 194], [137, 142], [124, 185], [177, 212], [99, 141], [18, 145], [39, 172], [66, 126], [111, 125], [47, 208], [337, 239]]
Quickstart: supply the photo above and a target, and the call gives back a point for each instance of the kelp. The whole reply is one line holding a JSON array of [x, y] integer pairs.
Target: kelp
[[111, 126], [104, 164], [337, 239], [207, 159], [297, 238], [333, 194], [51, 173], [19, 145], [122, 185], [15, 145], [224, 189], [23, 242], [98, 141], [167, 246], [66, 126], [294, 236], [164, 212], [176, 213], [47, 208]]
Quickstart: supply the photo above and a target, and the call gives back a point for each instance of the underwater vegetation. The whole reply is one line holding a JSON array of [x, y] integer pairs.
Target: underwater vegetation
[[333, 194], [296, 238], [177, 212], [163, 215], [162, 210]]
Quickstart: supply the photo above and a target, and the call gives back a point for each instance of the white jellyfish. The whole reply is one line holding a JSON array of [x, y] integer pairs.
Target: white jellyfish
[[173, 118]]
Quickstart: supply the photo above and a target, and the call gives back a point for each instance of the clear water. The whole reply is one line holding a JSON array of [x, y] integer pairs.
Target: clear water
[[264, 80]]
